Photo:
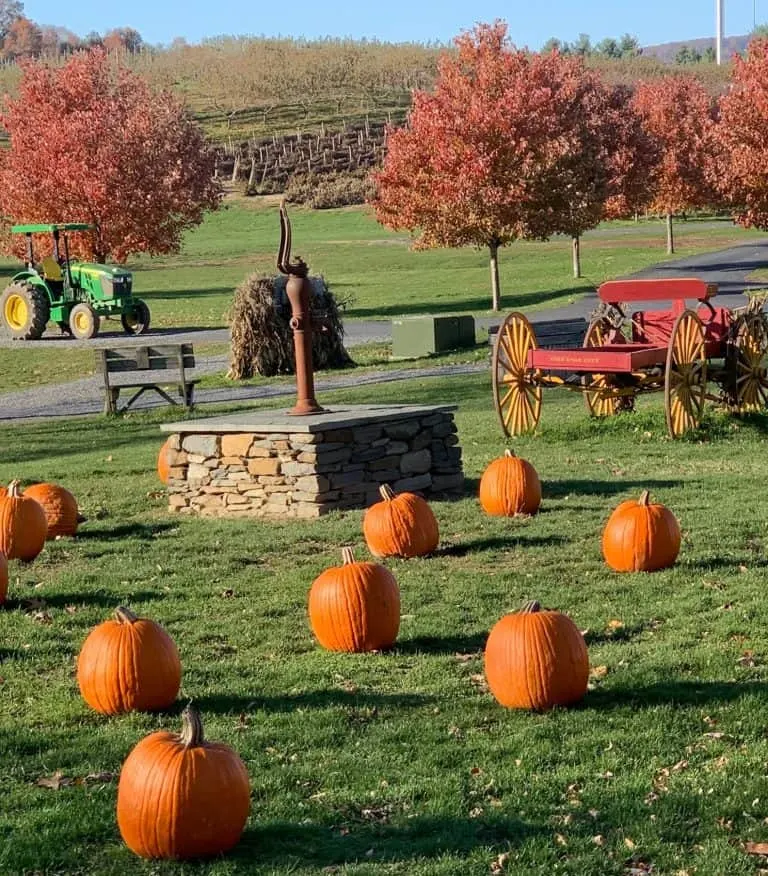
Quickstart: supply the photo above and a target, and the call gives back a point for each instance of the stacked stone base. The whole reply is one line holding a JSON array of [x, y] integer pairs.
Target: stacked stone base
[[224, 468]]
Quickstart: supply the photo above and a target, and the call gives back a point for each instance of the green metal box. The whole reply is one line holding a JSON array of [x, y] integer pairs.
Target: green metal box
[[415, 336]]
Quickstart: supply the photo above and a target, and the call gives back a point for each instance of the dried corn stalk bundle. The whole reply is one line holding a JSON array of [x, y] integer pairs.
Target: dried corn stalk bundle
[[262, 340]]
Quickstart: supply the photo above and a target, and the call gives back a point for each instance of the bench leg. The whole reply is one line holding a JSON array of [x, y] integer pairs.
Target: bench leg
[[189, 399], [110, 401]]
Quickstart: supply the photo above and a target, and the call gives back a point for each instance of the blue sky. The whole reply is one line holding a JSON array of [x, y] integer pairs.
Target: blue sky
[[530, 22]]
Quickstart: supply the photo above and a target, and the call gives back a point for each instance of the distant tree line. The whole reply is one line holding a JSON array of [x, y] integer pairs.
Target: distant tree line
[[626, 46]]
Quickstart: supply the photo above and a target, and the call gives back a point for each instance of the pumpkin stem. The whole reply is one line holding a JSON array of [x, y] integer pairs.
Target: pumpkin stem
[[125, 616], [347, 556], [191, 728], [644, 499], [387, 493], [509, 453], [14, 490], [531, 607]]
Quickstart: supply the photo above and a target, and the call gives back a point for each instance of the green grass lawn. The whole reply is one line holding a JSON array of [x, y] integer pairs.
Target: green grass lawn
[[401, 762], [378, 273]]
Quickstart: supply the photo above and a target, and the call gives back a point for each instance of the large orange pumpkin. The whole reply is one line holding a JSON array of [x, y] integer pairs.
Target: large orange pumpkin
[[3, 578], [181, 797], [536, 659], [162, 462], [127, 664], [355, 607], [60, 508], [23, 527], [641, 537], [400, 526], [510, 486]]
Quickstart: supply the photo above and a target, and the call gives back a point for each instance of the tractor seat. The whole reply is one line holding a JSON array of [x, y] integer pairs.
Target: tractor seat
[[51, 269]]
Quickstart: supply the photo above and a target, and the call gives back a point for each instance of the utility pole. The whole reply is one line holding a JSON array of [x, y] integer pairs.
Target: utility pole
[[719, 28]]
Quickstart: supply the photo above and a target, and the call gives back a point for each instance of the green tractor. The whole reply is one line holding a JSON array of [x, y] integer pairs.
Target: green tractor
[[75, 295]]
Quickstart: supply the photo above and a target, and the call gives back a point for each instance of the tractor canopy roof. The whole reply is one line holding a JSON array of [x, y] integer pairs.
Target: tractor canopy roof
[[48, 229]]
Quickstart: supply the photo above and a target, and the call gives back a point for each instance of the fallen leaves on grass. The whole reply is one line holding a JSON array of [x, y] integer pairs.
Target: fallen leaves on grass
[[499, 864], [756, 848], [58, 780]]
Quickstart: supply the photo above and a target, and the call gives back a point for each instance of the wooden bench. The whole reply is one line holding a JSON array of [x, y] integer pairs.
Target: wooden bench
[[144, 368], [553, 334]]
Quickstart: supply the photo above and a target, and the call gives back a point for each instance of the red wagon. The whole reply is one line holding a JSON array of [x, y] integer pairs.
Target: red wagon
[[678, 350]]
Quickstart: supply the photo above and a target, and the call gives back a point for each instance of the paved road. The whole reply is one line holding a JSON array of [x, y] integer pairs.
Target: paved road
[[728, 268]]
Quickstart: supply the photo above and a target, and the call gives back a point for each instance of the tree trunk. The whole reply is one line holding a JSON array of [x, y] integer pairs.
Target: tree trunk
[[495, 296], [576, 249], [670, 236]]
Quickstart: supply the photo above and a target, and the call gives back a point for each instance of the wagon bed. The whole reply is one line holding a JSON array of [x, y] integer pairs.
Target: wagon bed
[[679, 350]]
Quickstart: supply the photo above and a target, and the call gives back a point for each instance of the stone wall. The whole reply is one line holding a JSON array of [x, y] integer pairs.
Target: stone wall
[[306, 474]]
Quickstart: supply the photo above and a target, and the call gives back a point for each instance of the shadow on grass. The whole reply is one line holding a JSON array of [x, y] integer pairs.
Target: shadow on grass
[[469, 644], [623, 634], [492, 543], [142, 531], [468, 305], [675, 693], [289, 844], [316, 699], [560, 489], [12, 654], [99, 597], [732, 564]]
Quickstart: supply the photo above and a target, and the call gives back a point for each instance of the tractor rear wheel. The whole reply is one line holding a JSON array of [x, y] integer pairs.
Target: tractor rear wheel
[[136, 320], [83, 322], [24, 310]]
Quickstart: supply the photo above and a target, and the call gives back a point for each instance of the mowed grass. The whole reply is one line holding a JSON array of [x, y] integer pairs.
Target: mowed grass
[[401, 762], [380, 276]]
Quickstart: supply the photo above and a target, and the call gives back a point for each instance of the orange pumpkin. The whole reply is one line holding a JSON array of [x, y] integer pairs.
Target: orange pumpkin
[[510, 486], [400, 526], [23, 527], [180, 797], [163, 466], [536, 659], [60, 508], [3, 578], [641, 537], [355, 607], [127, 664]]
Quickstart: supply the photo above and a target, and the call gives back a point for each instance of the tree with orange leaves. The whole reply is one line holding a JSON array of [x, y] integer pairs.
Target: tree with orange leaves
[[90, 141], [489, 156], [679, 114], [742, 133]]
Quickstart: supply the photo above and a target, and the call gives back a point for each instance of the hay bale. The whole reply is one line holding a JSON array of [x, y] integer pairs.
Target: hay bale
[[262, 340]]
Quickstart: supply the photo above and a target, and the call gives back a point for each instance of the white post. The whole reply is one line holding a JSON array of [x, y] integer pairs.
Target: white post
[[719, 29]]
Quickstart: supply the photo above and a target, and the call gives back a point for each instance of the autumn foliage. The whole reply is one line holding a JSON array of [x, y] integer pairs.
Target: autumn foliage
[[743, 136], [679, 115], [91, 142], [509, 145]]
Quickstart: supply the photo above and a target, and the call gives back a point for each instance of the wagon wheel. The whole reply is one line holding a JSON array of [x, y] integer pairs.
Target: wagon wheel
[[515, 391], [750, 376], [597, 393], [685, 381]]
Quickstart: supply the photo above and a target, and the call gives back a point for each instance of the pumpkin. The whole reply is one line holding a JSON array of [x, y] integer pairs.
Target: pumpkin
[[60, 508], [3, 578], [510, 486], [127, 664], [400, 526], [641, 537], [536, 659], [181, 797], [23, 527], [163, 466], [355, 606]]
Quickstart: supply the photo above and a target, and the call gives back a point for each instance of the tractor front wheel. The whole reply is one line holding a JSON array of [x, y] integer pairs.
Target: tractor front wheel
[[24, 311], [136, 320], [83, 322]]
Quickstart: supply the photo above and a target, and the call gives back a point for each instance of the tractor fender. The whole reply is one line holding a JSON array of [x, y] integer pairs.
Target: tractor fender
[[34, 279]]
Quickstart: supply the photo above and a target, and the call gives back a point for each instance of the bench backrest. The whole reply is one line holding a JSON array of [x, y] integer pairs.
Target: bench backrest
[[674, 289], [163, 358]]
